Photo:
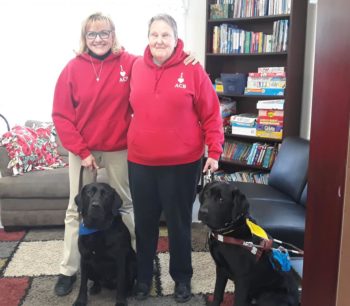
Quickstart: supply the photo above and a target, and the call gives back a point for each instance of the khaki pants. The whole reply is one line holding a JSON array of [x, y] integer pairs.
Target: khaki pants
[[117, 170]]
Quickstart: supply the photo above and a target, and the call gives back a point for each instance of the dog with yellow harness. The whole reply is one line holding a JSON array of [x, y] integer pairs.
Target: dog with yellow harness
[[243, 252]]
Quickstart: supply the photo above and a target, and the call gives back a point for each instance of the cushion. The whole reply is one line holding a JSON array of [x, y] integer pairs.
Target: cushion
[[31, 149]]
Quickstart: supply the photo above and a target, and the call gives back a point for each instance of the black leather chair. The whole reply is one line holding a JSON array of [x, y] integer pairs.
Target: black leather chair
[[279, 207]]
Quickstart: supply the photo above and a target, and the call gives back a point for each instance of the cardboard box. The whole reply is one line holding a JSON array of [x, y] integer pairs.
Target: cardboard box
[[269, 131]]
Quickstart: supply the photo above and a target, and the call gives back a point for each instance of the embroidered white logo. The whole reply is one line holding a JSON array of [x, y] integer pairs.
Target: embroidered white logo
[[123, 76], [180, 82]]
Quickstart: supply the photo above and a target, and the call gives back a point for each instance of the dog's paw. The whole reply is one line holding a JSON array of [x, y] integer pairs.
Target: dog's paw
[[95, 289], [215, 303]]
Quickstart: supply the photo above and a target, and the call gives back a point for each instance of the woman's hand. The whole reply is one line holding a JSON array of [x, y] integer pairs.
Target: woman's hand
[[191, 58], [211, 164], [89, 162]]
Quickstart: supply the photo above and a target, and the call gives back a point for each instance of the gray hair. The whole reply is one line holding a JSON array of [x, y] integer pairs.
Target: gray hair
[[166, 18], [97, 17]]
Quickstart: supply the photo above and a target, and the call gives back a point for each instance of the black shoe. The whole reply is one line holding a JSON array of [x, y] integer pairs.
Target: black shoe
[[64, 284], [142, 291], [182, 292]]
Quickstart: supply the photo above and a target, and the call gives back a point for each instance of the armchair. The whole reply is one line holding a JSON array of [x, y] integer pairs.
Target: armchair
[[279, 207]]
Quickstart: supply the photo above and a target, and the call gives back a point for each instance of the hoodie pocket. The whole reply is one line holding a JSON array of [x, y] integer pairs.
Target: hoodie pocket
[[165, 145]]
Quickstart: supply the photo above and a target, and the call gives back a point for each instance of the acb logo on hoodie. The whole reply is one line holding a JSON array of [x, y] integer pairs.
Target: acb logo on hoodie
[[123, 75], [180, 82]]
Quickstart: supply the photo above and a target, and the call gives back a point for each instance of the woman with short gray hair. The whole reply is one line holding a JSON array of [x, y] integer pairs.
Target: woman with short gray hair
[[176, 112]]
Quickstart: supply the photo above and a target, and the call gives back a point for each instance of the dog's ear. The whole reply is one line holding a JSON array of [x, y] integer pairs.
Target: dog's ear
[[117, 203], [240, 204], [79, 200]]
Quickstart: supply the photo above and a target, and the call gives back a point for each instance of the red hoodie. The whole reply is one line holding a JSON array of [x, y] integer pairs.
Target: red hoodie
[[91, 115], [176, 111]]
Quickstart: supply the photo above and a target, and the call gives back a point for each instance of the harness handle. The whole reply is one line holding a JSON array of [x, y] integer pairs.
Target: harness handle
[[208, 177], [294, 249]]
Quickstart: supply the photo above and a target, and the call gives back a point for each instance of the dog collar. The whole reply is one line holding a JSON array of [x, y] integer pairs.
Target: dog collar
[[83, 230]]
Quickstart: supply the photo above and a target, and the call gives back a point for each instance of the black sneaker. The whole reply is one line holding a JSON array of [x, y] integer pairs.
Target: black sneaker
[[142, 291], [182, 292], [64, 284]]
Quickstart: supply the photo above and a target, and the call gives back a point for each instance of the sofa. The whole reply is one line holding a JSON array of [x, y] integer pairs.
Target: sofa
[[35, 198], [280, 206]]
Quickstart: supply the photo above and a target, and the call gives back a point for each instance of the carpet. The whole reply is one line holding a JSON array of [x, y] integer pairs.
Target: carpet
[[29, 267]]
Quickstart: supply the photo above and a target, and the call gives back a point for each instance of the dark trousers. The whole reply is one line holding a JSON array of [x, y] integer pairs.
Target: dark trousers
[[171, 189]]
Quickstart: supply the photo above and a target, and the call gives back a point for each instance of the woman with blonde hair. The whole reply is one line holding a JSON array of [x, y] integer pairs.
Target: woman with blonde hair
[[91, 113]]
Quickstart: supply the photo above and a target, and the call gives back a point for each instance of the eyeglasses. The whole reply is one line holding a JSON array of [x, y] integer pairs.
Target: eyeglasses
[[103, 34]]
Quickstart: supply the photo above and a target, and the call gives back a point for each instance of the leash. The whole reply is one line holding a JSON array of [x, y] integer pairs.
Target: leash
[[80, 186], [83, 230]]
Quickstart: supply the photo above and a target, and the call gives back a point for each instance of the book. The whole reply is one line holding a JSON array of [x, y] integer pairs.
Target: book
[[241, 130], [267, 74], [270, 69], [264, 91], [220, 11], [216, 39], [269, 131], [271, 113], [270, 104], [244, 120], [271, 82], [270, 117], [270, 121]]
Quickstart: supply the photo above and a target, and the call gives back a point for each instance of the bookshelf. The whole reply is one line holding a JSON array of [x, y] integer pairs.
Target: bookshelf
[[292, 58]]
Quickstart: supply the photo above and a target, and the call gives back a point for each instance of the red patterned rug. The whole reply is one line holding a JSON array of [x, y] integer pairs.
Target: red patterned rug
[[29, 268]]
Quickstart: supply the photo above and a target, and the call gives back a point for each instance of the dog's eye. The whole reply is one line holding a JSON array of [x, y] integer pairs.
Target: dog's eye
[[91, 191]]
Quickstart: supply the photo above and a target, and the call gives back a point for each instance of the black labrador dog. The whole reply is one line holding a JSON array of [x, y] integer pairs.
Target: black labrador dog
[[107, 257], [239, 255]]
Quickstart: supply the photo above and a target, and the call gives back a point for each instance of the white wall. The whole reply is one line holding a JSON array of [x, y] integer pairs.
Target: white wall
[[195, 28], [308, 70], [39, 36]]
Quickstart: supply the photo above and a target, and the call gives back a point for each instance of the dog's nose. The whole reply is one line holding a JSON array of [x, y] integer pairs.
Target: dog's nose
[[202, 214], [203, 210], [95, 204]]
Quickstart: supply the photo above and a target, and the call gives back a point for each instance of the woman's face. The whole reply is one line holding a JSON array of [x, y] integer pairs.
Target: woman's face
[[99, 37], [161, 40]]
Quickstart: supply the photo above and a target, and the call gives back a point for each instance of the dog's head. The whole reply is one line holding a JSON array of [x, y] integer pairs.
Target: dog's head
[[221, 204], [98, 203]]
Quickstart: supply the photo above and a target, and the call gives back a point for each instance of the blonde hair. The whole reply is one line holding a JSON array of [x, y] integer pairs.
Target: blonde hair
[[97, 17]]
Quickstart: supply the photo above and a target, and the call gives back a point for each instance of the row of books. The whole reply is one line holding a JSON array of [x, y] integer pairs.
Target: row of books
[[228, 39], [242, 176], [262, 155], [256, 154], [236, 150], [248, 8]]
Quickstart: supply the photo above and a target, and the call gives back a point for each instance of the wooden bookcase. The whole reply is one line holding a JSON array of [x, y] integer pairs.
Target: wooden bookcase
[[292, 60]]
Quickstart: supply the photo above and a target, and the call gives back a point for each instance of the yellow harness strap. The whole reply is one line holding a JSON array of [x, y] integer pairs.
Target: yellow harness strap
[[256, 230]]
